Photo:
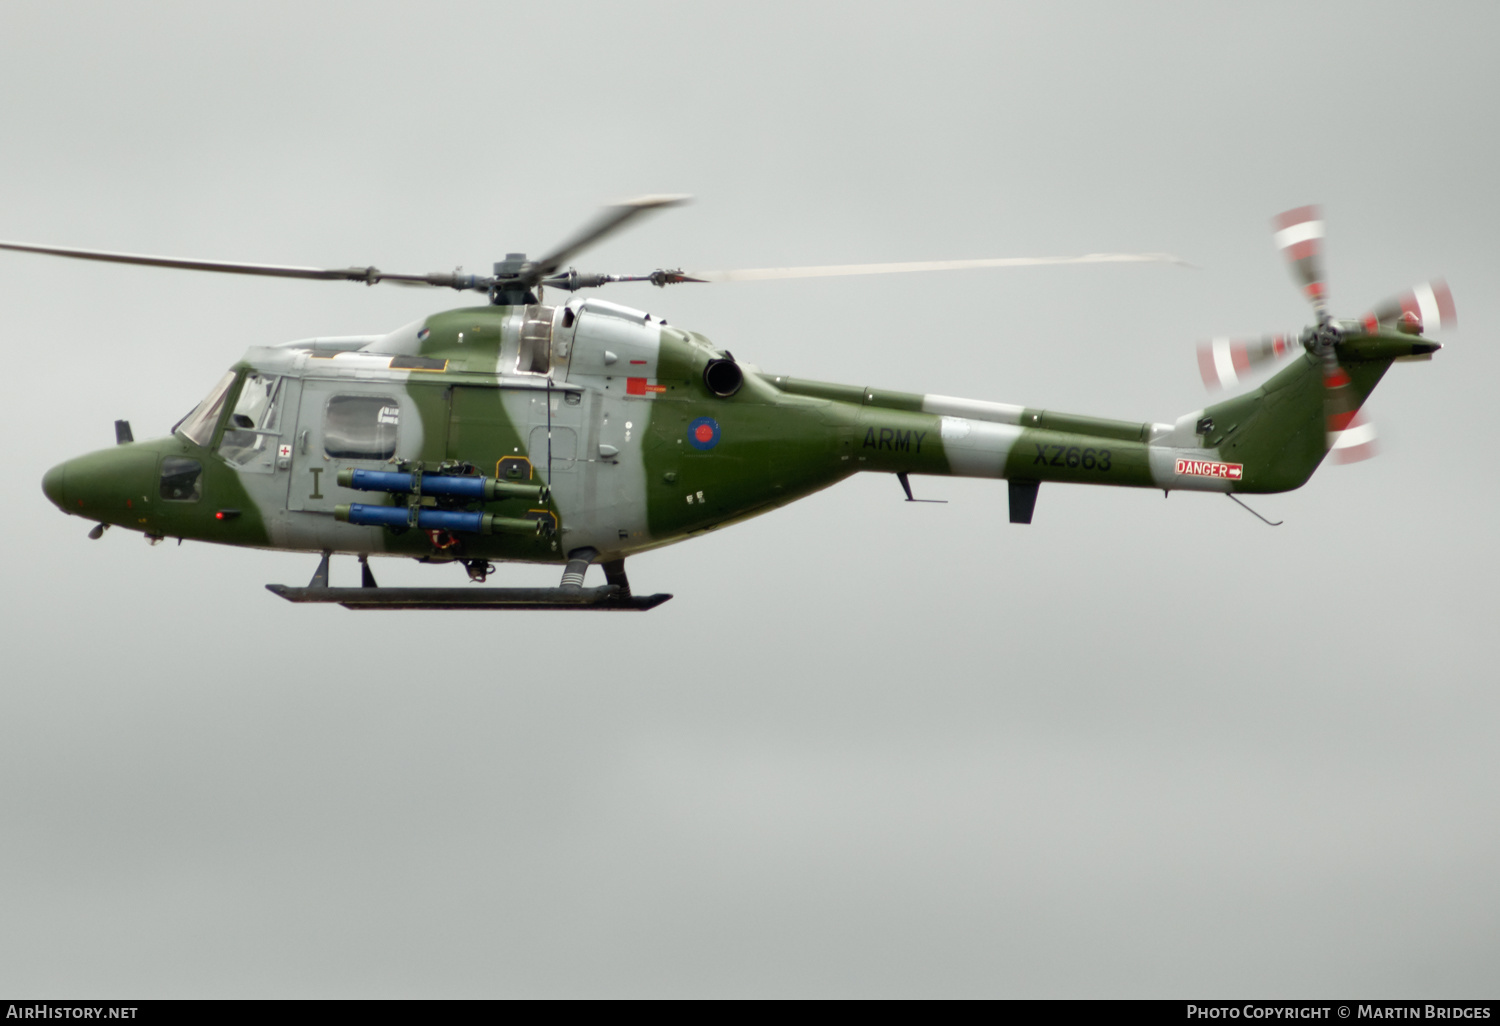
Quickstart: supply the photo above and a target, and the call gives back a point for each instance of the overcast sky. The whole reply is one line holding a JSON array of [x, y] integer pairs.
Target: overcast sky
[[1141, 747]]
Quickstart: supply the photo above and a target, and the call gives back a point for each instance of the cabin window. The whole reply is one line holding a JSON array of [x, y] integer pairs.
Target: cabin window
[[198, 427], [251, 432], [361, 427], [181, 479]]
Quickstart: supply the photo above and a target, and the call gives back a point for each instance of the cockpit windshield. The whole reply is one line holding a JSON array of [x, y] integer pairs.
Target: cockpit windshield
[[198, 426], [250, 436]]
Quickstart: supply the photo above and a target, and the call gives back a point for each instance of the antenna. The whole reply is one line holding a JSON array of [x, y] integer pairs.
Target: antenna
[[1247, 509]]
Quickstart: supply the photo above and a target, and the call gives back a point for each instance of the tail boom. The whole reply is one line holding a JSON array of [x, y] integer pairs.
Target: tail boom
[[1270, 439]]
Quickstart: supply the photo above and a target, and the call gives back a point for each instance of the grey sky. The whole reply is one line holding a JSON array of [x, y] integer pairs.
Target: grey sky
[[1143, 747]]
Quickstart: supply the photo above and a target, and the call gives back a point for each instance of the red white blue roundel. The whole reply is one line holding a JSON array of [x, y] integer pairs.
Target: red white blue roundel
[[703, 433]]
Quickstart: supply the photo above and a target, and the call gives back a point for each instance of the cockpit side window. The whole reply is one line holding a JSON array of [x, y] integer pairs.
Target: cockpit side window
[[253, 427], [361, 427], [181, 479], [198, 426]]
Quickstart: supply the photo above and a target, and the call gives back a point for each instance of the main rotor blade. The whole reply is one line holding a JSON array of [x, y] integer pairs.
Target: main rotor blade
[[838, 270], [609, 221], [1299, 236], [368, 275]]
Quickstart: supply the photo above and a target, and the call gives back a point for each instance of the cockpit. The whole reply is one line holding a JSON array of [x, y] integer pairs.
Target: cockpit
[[198, 426], [253, 425]]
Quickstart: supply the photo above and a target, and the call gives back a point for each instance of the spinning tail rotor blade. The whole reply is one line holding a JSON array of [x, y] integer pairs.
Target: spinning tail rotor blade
[[1224, 361], [1299, 236], [1356, 442], [841, 270], [1351, 437], [1428, 307]]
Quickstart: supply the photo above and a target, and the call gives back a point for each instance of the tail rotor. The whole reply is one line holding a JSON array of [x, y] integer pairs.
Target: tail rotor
[[1226, 362]]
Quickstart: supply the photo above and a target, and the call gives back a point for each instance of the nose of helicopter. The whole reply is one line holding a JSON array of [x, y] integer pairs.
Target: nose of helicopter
[[112, 485], [54, 485]]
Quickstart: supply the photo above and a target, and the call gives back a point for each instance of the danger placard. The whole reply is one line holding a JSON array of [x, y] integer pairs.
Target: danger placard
[[1208, 468]]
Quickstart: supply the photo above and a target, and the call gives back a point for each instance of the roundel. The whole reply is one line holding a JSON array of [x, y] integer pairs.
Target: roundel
[[703, 433]]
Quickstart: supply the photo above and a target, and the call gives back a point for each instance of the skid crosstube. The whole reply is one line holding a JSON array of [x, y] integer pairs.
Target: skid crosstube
[[608, 597]]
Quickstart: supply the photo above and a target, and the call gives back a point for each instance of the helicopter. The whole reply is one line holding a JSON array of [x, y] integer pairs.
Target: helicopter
[[585, 431]]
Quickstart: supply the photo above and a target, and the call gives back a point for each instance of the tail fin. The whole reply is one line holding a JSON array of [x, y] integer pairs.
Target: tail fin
[[1279, 431]]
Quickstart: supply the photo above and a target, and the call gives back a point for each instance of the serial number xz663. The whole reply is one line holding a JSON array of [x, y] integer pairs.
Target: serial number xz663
[[1071, 456]]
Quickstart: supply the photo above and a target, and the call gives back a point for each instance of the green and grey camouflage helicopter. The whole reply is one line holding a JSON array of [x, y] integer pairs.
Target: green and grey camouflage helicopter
[[587, 431]]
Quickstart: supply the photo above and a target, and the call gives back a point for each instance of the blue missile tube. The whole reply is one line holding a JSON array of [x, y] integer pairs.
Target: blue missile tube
[[432, 519], [475, 488], [432, 484]]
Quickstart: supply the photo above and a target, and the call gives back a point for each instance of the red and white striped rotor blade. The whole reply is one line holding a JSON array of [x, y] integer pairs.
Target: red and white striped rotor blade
[[1351, 436], [1299, 236], [1223, 362], [1429, 307], [1356, 441]]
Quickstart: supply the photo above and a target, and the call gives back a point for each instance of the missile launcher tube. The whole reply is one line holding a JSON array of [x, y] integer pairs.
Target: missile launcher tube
[[433, 519], [402, 483]]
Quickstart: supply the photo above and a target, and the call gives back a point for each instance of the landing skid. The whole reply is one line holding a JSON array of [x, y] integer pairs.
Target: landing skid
[[570, 595], [606, 597]]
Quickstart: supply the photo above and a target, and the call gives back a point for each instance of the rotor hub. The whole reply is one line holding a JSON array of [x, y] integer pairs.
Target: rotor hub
[[1324, 338]]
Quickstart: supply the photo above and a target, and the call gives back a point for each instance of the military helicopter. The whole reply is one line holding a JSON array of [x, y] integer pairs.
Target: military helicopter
[[585, 432]]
